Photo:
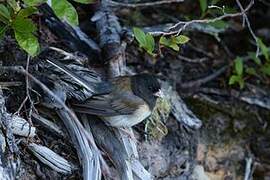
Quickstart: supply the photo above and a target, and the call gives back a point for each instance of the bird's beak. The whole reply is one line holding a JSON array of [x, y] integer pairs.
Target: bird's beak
[[159, 94]]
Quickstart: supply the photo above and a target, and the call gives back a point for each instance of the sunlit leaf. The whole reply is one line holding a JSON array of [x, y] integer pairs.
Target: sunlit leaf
[[65, 11], [234, 79], [150, 42], [21, 24], [174, 47], [139, 36], [28, 42], [163, 40], [181, 39]]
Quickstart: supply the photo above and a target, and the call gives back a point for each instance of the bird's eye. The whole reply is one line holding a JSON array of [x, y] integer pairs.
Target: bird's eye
[[153, 89]]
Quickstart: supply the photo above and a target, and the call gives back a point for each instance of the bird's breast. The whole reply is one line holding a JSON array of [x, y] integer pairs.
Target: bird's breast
[[129, 120]]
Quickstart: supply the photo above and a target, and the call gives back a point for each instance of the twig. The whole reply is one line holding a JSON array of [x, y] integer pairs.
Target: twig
[[182, 25], [146, 4], [80, 60], [52, 127], [10, 84], [199, 82], [245, 19], [32, 107], [197, 60]]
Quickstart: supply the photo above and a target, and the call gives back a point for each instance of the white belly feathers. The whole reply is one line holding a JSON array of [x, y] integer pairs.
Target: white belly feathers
[[129, 120]]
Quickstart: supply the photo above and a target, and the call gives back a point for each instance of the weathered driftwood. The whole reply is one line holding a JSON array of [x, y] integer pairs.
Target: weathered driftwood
[[106, 139], [9, 163], [74, 38], [49, 125], [81, 139], [109, 32], [82, 144], [21, 127], [51, 159], [179, 108], [109, 29], [96, 170]]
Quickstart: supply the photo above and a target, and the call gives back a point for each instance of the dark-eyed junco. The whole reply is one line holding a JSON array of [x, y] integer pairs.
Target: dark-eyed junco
[[130, 101], [121, 102]]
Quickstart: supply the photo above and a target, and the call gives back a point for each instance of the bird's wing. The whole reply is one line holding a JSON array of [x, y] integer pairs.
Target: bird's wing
[[110, 105]]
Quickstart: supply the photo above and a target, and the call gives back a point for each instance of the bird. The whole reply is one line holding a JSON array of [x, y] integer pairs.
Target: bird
[[122, 101], [130, 100]]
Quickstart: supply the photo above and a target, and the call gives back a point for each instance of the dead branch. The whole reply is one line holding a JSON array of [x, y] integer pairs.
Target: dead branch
[[9, 162], [180, 109], [74, 38], [80, 137], [52, 127], [199, 82], [51, 159]]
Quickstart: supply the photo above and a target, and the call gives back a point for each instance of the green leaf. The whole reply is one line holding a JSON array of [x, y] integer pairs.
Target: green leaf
[[65, 11], [23, 25], [234, 79], [265, 69], [27, 11], [140, 36], [174, 47], [237, 79], [251, 71], [181, 39], [238, 65], [150, 42], [264, 49], [34, 2], [163, 40], [203, 5], [172, 42], [84, 1], [257, 60], [4, 13], [28, 42]]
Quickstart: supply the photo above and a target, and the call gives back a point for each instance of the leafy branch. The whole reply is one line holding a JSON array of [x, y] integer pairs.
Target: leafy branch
[[15, 15]]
